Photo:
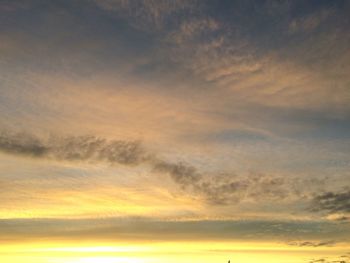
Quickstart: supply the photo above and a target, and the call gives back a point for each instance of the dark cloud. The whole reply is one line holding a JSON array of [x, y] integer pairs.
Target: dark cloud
[[94, 148], [73, 148], [320, 260], [232, 189], [225, 189], [222, 189], [313, 243], [223, 192], [340, 259], [182, 173], [22, 144], [343, 219], [332, 202], [215, 189]]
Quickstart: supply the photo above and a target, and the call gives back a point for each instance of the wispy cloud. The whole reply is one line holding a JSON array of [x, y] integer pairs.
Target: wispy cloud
[[143, 228], [80, 148], [146, 13], [327, 243], [332, 202], [310, 22], [340, 259], [215, 189]]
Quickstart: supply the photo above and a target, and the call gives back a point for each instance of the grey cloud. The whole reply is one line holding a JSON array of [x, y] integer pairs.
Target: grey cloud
[[223, 193], [343, 219], [320, 260], [332, 202], [326, 260], [182, 173], [215, 189], [232, 189], [74, 148], [224, 189], [141, 228], [313, 243], [271, 186], [345, 258], [93, 148], [22, 144]]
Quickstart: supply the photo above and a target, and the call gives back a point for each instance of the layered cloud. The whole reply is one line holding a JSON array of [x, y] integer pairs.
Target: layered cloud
[[313, 243], [143, 229]]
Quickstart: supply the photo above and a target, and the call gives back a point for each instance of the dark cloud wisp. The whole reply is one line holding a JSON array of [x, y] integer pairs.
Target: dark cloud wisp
[[214, 189], [73, 148], [332, 202], [313, 244]]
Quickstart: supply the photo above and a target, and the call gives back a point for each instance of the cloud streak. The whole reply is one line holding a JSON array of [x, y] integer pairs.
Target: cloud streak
[[73, 148], [143, 228], [215, 189], [313, 243], [332, 202]]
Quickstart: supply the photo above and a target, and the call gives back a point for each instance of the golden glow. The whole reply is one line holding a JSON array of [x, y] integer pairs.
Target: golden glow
[[161, 252]]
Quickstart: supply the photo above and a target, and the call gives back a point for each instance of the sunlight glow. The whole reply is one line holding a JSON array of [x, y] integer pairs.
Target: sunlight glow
[[107, 260]]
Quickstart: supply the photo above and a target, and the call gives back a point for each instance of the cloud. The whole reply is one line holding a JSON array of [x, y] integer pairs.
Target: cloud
[[340, 259], [22, 144], [228, 189], [225, 189], [222, 192], [339, 217], [345, 258], [310, 22], [146, 13], [216, 189], [237, 76], [73, 148], [182, 173], [145, 228], [189, 30], [313, 243], [343, 219], [332, 202]]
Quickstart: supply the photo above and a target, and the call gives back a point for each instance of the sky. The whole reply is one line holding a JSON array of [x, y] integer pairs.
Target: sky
[[136, 131]]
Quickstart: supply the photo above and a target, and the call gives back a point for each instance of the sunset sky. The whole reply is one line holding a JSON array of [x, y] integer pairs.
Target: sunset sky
[[174, 131]]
